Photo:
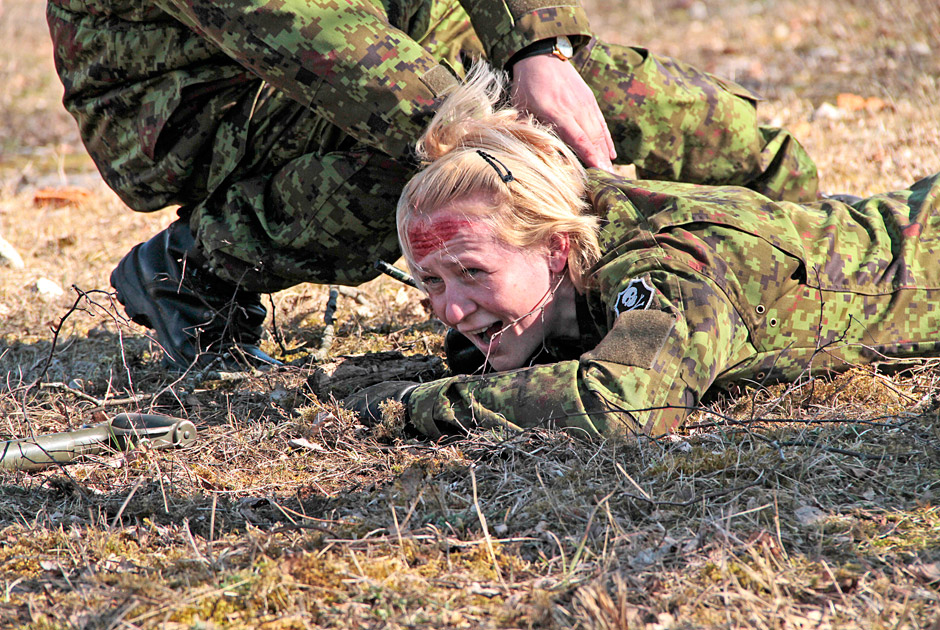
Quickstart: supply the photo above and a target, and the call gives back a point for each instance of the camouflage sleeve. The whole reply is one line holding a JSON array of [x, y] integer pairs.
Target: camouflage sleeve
[[339, 57], [645, 376], [507, 26]]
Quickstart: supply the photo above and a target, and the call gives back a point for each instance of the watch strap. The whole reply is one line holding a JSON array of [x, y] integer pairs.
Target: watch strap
[[558, 46]]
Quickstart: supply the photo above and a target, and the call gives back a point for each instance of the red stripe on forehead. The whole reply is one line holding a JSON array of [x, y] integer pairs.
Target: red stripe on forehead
[[425, 239]]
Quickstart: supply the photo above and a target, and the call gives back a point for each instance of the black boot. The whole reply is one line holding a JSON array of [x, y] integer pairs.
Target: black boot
[[199, 318]]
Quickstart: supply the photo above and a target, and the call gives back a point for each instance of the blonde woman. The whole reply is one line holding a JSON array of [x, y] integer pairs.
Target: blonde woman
[[609, 305]]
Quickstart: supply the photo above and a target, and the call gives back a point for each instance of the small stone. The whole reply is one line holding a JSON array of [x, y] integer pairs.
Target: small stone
[[809, 515], [828, 111], [921, 48], [47, 289], [698, 11], [825, 52], [303, 444], [280, 395], [9, 256], [643, 559], [365, 311]]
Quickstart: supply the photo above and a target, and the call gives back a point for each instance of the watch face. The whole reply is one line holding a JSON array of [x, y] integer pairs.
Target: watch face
[[564, 47]]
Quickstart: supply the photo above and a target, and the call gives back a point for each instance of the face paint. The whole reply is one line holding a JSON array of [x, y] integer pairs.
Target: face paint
[[425, 238], [501, 297]]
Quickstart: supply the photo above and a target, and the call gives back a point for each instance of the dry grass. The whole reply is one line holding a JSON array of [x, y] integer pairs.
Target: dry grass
[[804, 506]]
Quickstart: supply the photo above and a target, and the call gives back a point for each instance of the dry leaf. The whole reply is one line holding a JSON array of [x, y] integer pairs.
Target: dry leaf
[[60, 197], [929, 572], [854, 102]]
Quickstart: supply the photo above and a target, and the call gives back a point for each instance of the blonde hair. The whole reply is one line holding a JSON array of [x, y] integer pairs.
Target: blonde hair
[[545, 196]]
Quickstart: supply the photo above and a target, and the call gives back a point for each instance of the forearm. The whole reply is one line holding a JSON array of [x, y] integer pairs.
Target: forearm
[[595, 398], [600, 398]]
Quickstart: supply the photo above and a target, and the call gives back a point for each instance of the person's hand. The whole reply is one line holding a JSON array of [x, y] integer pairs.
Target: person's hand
[[552, 90], [366, 402]]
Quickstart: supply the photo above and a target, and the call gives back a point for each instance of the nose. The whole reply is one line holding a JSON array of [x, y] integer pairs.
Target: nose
[[458, 304]]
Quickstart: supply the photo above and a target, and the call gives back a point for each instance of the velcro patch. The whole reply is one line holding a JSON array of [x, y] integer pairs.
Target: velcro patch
[[636, 339], [439, 80], [636, 297]]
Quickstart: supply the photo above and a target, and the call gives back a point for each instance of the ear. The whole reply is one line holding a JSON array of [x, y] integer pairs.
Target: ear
[[559, 246]]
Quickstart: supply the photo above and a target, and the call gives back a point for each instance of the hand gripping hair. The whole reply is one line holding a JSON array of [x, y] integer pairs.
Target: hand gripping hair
[[479, 146]]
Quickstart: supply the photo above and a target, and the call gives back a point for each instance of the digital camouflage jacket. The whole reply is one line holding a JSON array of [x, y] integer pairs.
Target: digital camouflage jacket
[[708, 286], [362, 66]]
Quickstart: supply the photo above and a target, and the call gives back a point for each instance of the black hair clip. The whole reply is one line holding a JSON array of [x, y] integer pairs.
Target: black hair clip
[[496, 164]]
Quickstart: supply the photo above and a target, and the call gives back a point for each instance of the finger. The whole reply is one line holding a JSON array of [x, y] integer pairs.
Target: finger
[[605, 142], [599, 140], [602, 161], [585, 148], [608, 139], [599, 133]]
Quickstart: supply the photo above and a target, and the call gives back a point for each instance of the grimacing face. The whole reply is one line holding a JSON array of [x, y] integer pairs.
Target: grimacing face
[[499, 296]]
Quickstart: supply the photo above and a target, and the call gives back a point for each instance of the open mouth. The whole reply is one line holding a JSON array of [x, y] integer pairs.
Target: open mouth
[[488, 334]]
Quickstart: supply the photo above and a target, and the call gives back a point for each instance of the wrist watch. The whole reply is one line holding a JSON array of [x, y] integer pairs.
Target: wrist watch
[[562, 48], [558, 46]]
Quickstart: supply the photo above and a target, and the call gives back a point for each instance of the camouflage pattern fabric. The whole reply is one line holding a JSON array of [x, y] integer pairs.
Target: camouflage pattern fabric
[[678, 123], [284, 129], [755, 291]]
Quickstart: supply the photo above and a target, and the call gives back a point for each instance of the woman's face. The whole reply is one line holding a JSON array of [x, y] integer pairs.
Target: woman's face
[[499, 296]]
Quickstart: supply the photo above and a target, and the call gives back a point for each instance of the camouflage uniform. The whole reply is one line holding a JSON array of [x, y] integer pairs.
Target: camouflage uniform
[[716, 285], [284, 128]]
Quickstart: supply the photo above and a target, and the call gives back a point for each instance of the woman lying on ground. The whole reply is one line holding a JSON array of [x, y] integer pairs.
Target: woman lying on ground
[[643, 295]]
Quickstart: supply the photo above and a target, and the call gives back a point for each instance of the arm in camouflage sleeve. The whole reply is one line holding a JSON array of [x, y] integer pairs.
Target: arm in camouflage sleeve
[[340, 57], [344, 60], [507, 26], [645, 376]]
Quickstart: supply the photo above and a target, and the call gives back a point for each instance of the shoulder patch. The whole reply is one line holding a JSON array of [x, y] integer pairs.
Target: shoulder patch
[[636, 297]]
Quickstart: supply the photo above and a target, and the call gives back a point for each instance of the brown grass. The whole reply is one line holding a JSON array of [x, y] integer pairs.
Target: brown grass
[[811, 505]]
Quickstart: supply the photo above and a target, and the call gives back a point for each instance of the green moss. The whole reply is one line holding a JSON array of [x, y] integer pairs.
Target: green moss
[[911, 532]]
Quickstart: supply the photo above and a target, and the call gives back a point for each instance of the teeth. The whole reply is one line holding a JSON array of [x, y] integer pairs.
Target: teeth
[[482, 332]]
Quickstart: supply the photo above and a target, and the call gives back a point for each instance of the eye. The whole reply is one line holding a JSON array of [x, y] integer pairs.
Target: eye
[[432, 283], [473, 272]]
